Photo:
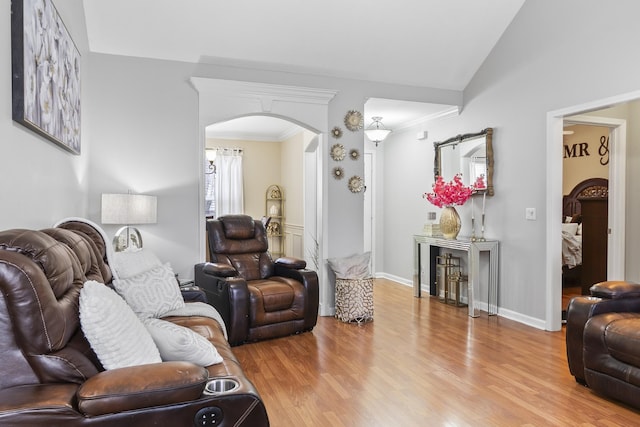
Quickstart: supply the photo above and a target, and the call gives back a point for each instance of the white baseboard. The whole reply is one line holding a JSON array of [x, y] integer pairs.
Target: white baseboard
[[521, 318], [326, 311], [400, 280], [481, 305]]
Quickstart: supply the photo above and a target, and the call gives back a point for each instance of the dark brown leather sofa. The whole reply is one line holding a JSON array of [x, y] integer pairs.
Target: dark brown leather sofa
[[49, 375], [257, 297], [603, 340]]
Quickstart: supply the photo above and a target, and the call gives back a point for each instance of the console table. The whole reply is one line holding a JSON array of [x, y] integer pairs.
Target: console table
[[473, 250]]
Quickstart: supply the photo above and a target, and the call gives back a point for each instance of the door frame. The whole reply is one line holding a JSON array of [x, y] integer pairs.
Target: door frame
[[369, 220], [617, 194], [617, 197]]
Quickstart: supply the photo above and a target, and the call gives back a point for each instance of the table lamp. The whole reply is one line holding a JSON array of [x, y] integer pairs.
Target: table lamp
[[128, 209]]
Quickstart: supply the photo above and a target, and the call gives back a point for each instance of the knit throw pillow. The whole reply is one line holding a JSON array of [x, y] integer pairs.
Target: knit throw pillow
[[176, 342], [151, 293], [115, 333]]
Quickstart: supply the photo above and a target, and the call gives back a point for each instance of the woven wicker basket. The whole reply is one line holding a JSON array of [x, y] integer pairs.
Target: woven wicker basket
[[354, 300]]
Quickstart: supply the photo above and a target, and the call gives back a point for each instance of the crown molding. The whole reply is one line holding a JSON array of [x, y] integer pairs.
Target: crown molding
[[449, 112], [266, 94]]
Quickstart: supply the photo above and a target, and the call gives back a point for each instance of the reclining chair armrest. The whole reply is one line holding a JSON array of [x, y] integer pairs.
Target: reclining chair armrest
[[309, 280], [228, 295], [17, 402], [291, 262], [193, 294], [580, 310], [615, 289], [216, 269], [143, 386]]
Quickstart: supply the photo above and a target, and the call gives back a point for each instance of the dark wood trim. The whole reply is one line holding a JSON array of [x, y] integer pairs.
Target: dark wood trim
[[571, 204]]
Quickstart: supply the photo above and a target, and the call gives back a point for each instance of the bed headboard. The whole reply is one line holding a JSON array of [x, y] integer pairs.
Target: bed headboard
[[592, 187]]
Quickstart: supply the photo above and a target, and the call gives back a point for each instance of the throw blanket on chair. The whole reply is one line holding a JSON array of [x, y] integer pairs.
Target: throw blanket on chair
[[199, 309]]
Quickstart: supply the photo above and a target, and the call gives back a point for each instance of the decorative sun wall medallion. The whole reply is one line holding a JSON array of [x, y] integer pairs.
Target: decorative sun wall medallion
[[353, 120], [336, 132], [356, 184], [338, 172], [338, 152], [354, 154]]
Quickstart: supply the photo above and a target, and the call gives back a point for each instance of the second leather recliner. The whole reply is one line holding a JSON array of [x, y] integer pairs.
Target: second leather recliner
[[257, 297]]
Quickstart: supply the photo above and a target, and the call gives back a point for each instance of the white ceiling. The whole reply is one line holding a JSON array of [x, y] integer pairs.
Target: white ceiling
[[429, 43]]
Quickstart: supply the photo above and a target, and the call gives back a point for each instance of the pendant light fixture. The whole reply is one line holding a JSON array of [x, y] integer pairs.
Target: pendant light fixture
[[376, 132]]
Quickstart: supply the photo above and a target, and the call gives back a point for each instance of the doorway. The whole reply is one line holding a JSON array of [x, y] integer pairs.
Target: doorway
[[221, 100], [617, 194], [585, 226], [272, 152]]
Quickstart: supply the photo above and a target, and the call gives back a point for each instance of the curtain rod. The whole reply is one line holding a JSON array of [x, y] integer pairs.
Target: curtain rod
[[233, 149]]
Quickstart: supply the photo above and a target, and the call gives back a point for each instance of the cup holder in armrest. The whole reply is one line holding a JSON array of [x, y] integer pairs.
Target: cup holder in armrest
[[220, 386]]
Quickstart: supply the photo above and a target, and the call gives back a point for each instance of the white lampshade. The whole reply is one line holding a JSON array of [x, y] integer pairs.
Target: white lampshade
[[129, 209], [376, 131], [377, 135], [211, 154]]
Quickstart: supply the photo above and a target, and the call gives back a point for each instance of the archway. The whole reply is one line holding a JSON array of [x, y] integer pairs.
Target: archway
[[221, 100], [270, 151]]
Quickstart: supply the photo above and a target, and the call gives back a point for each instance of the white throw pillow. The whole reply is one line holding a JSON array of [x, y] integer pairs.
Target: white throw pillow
[[176, 342], [117, 336], [351, 267], [579, 231], [151, 293], [571, 228], [131, 263]]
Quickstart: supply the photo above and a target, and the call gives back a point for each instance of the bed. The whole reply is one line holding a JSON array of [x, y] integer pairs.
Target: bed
[[572, 243], [582, 211]]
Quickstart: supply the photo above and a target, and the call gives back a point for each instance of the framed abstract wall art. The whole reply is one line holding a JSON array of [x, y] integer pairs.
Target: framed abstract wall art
[[45, 73]]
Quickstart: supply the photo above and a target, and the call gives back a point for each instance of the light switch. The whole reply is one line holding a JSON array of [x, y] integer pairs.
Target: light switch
[[530, 214]]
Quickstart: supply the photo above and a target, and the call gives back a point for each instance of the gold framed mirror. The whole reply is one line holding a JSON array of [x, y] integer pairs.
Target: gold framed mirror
[[470, 155]]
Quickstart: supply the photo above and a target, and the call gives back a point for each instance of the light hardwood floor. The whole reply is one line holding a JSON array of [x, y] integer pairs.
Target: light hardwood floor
[[423, 363]]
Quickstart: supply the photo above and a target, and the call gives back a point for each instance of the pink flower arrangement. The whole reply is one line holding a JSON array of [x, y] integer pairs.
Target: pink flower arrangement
[[453, 192]]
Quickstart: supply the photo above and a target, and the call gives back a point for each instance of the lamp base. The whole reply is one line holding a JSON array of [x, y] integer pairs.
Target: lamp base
[[127, 238]]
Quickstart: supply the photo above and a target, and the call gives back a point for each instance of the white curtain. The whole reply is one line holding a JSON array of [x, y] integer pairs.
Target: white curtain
[[229, 193]]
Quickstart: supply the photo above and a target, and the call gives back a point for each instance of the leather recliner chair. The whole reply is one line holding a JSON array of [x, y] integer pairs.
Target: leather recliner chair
[[603, 348], [257, 297]]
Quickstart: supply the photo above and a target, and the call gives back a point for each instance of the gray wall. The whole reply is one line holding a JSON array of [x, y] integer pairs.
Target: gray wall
[[544, 62], [41, 183], [144, 136]]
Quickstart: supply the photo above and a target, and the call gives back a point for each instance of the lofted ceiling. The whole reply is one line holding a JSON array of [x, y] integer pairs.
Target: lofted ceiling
[[427, 43]]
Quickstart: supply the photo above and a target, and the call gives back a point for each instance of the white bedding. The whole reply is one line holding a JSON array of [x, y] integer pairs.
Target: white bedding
[[571, 249]]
